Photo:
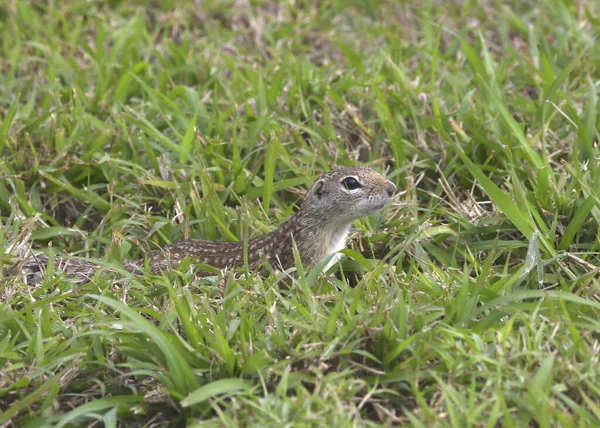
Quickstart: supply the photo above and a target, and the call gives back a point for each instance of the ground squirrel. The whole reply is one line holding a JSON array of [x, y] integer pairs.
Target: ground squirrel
[[319, 228]]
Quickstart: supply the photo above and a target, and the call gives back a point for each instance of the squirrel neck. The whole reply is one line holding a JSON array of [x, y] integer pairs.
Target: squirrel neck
[[314, 234]]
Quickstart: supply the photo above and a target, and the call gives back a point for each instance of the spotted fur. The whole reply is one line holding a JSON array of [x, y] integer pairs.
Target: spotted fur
[[318, 229]]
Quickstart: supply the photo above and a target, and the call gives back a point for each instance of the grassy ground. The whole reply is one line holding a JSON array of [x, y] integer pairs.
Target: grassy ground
[[474, 300]]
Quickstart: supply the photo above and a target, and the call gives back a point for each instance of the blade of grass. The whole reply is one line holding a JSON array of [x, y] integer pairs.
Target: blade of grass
[[229, 387], [508, 207], [91, 409], [183, 376], [581, 215], [7, 122]]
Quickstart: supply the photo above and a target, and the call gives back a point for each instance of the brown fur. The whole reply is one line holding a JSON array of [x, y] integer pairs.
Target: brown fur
[[319, 228]]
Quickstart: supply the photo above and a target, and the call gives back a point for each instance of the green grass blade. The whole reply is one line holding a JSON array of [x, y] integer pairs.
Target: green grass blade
[[580, 217], [506, 205], [183, 376], [230, 387], [92, 408], [7, 122]]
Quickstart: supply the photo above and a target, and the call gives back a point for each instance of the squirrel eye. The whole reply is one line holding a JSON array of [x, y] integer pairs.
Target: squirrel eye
[[351, 183]]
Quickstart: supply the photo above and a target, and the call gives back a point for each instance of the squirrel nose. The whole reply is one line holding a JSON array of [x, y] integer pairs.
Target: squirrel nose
[[390, 189]]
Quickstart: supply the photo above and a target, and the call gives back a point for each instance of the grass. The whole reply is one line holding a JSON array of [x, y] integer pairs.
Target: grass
[[474, 300]]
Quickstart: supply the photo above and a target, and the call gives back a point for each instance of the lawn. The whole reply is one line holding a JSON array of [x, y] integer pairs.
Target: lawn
[[472, 300]]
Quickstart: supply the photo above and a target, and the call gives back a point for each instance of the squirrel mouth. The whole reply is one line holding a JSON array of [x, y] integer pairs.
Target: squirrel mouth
[[378, 204]]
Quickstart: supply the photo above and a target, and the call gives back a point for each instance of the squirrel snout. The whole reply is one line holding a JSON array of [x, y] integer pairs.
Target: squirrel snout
[[390, 189]]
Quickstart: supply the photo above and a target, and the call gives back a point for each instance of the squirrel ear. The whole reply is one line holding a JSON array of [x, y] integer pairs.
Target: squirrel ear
[[317, 188]]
